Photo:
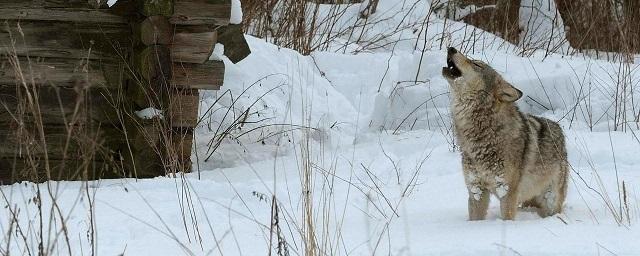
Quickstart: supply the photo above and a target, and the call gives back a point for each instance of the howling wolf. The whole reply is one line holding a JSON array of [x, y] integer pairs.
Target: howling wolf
[[518, 157]]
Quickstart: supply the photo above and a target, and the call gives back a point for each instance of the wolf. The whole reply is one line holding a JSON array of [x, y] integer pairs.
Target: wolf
[[519, 158]]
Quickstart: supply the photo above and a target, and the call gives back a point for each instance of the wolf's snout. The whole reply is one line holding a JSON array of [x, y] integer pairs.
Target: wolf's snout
[[451, 71]]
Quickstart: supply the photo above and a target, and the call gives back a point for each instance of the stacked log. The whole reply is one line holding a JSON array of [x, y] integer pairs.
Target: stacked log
[[174, 40], [59, 80], [73, 77]]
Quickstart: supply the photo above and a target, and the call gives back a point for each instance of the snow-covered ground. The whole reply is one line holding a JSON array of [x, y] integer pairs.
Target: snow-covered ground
[[373, 130]]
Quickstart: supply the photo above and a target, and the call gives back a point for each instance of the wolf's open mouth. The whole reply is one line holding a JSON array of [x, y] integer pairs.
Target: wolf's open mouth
[[451, 70]]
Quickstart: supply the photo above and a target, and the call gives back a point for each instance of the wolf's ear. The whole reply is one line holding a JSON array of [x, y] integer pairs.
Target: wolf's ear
[[508, 93]]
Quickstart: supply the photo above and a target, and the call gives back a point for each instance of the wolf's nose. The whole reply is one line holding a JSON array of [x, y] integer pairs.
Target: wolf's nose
[[452, 50]]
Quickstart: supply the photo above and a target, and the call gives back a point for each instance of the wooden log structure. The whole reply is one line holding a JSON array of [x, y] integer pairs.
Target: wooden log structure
[[74, 76]]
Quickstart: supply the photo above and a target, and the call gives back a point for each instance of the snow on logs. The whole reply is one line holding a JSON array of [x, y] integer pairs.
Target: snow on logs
[[72, 78]]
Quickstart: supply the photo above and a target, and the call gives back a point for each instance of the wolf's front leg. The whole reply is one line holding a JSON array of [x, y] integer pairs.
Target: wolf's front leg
[[509, 205], [478, 202]]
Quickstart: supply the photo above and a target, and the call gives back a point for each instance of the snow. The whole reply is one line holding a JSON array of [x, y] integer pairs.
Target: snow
[[469, 9], [149, 113], [386, 178], [218, 52], [502, 190], [541, 23], [476, 191], [236, 12]]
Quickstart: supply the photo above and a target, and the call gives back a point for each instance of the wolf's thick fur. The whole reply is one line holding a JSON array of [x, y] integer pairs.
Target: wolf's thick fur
[[518, 157]]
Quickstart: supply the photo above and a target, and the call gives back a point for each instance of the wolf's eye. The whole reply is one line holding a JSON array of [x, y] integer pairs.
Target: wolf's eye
[[477, 65]]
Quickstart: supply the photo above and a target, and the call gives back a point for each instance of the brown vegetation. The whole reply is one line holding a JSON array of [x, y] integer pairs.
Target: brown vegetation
[[610, 26]]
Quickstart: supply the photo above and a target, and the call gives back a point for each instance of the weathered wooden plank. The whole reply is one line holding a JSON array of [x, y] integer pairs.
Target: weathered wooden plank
[[236, 47], [59, 105], [183, 108], [61, 142], [22, 169], [207, 76], [65, 40], [199, 12], [46, 3], [59, 72], [27, 11], [193, 44]]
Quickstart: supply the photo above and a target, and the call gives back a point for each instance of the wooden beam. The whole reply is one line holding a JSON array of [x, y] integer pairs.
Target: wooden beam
[[207, 76], [59, 72], [59, 105], [27, 12], [200, 12], [236, 47], [193, 44], [65, 40], [47, 3], [62, 142], [183, 108], [21, 169]]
